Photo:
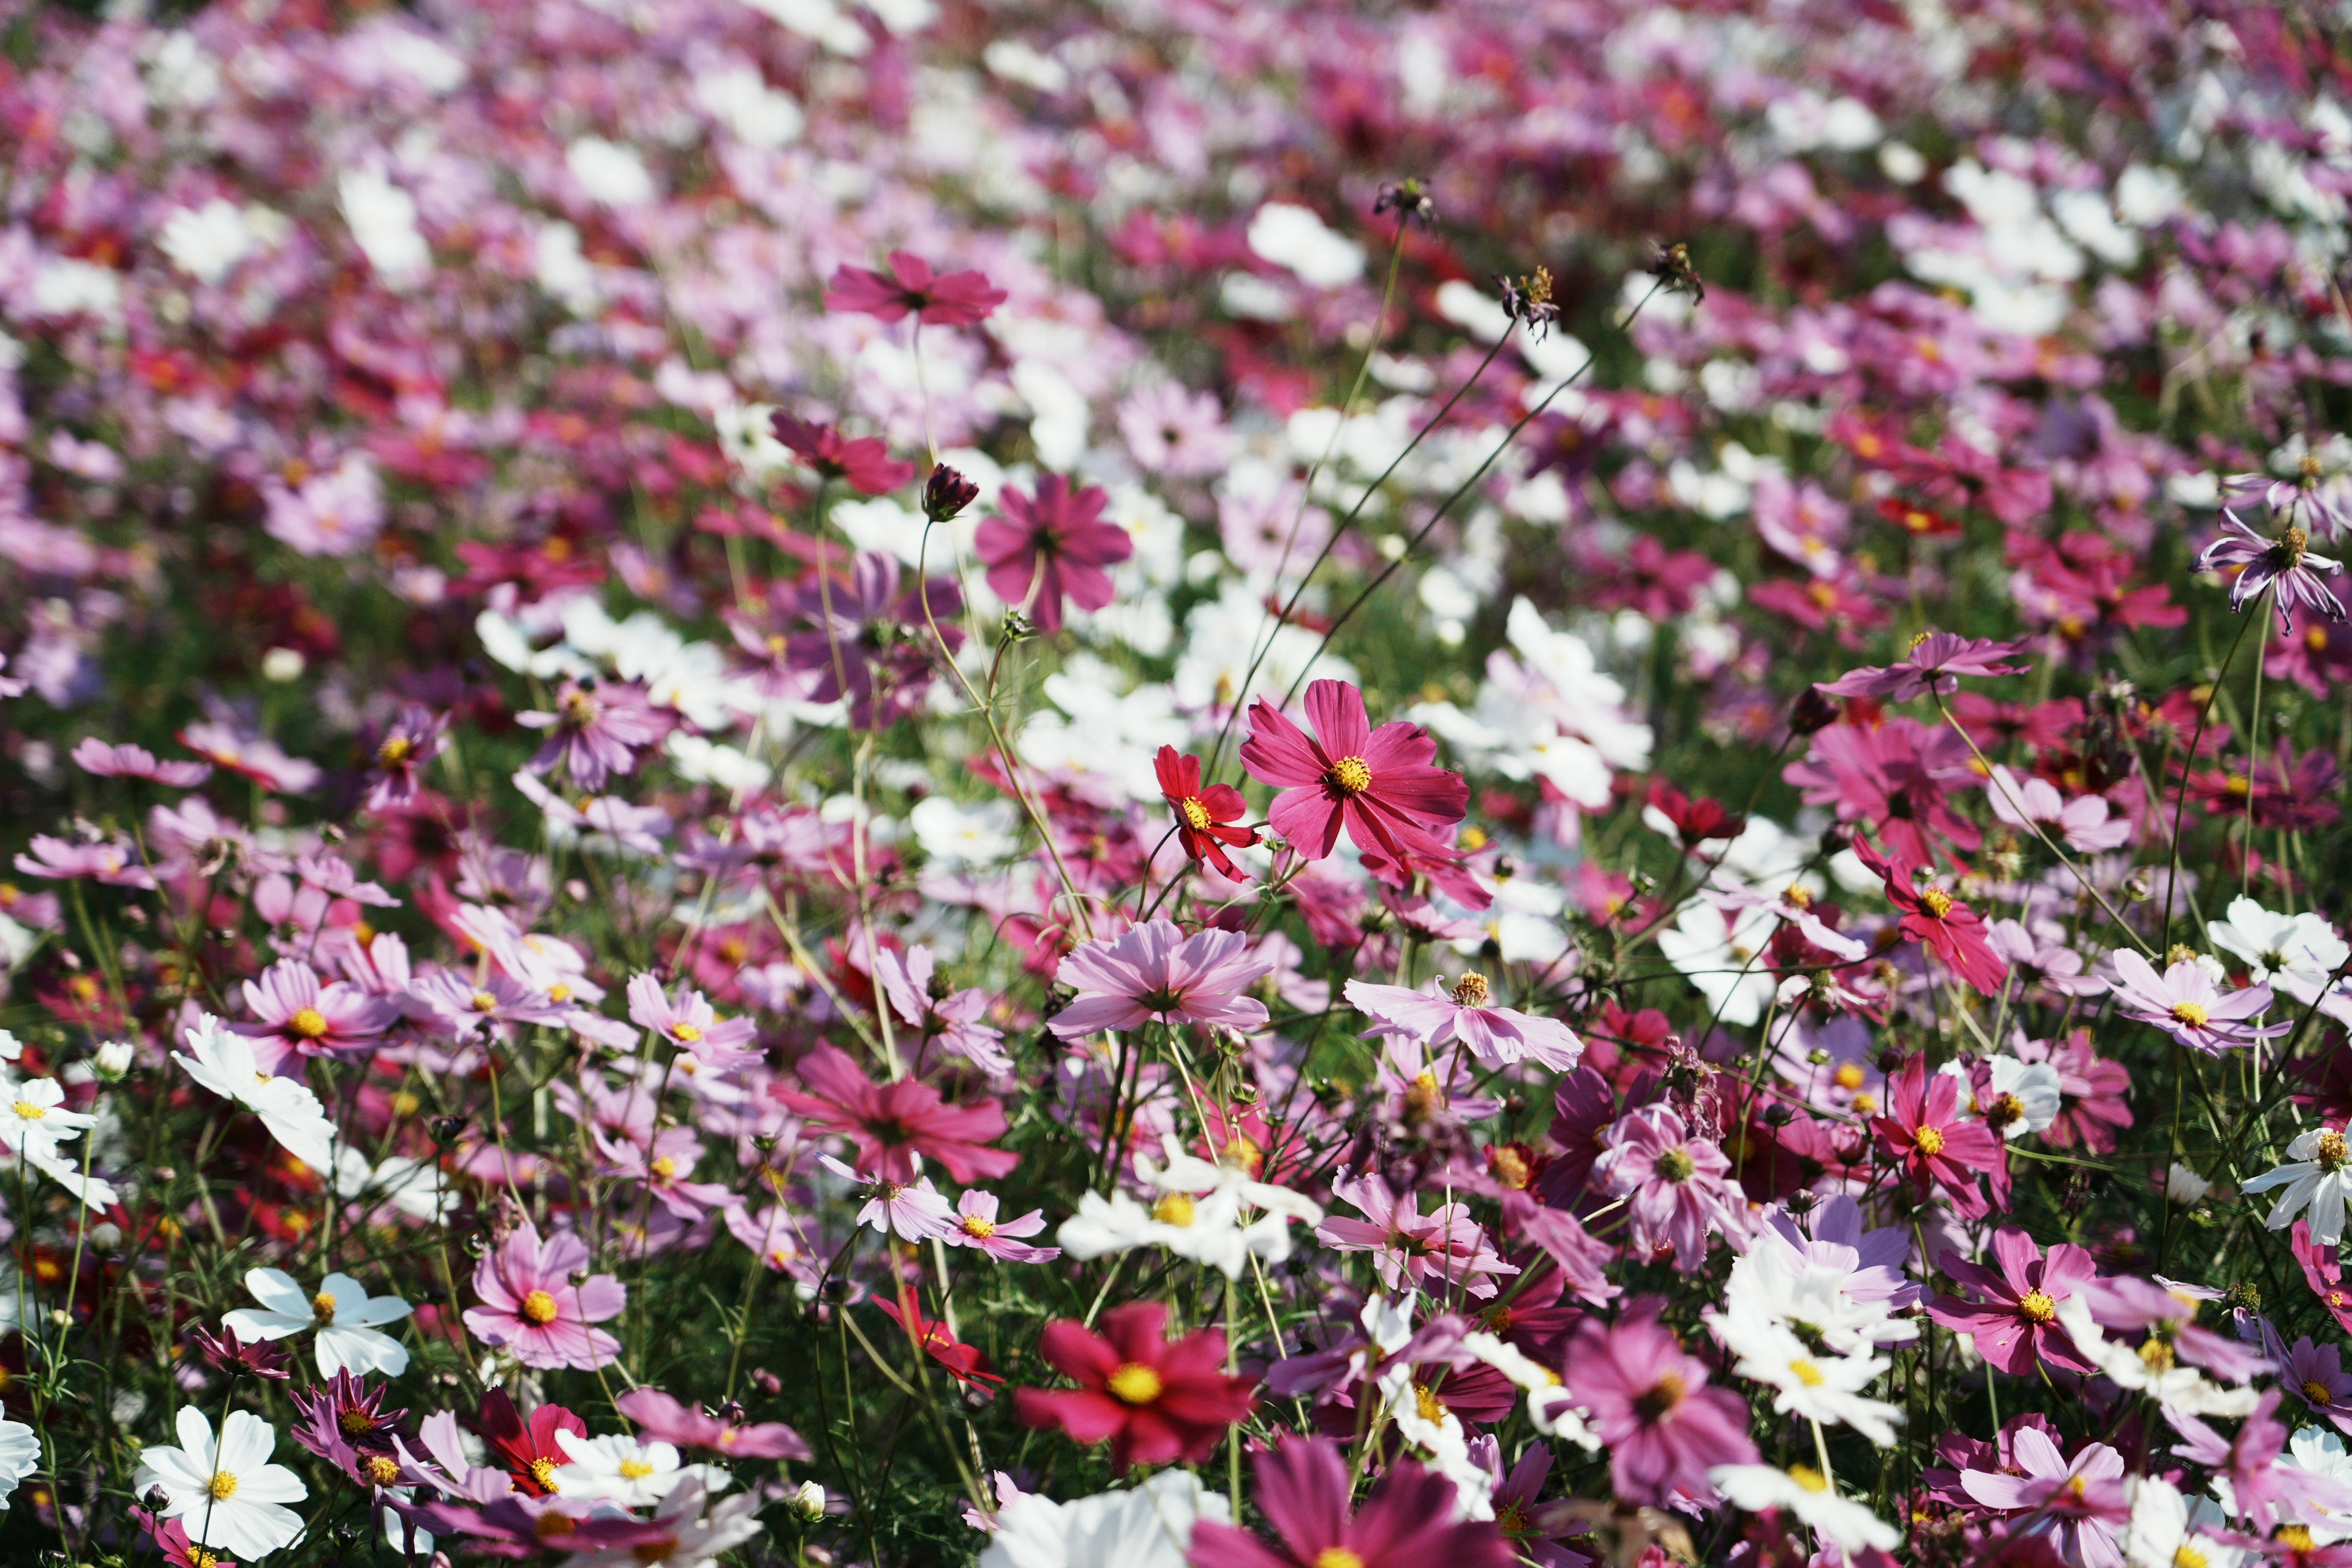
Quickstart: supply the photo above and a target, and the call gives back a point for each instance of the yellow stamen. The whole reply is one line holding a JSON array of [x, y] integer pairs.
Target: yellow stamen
[[1196, 815], [1134, 1384], [1352, 775], [309, 1023], [539, 1307], [1175, 1209], [2037, 1306], [223, 1485], [1930, 1139], [1811, 1480]]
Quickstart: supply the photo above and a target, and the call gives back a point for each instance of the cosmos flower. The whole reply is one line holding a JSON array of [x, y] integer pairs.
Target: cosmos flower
[[1155, 971], [344, 1317], [1051, 545], [1204, 816], [225, 1493], [532, 1309], [892, 1123], [2014, 1320], [1497, 1036], [2317, 1175], [1937, 661], [2287, 564], [1649, 1404], [1379, 784], [95, 756], [2186, 1003], [911, 288], [1410, 1517], [1157, 1401]]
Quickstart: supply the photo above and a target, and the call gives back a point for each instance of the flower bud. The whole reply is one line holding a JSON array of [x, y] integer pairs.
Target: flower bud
[[114, 1059], [807, 1503], [945, 493]]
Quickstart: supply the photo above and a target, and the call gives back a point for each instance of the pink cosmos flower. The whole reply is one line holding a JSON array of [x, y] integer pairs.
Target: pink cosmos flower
[[691, 1024], [1676, 1186], [911, 288], [667, 1420], [892, 1123], [2288, 562], [1051, 545], [296, 1015], [250, 756], [1896, 777], [1157, 1400], [454, 1007], [927, 1006], [114, 861], [1381, 785], [532, 1309], [128, 762], [1410, 1519], [1444, 1247], [1937, 661], [2082, 823], [1933, 917], [2015, 1318], [666, 1167], [865, 640], [2079, 1504], [863, 462], [596, 730], [1497, 1035], [1172, 430], [2186, 1004], [1932, 1146], [394, 774], [1649, 1406], [976, 1226], [1155, 971]]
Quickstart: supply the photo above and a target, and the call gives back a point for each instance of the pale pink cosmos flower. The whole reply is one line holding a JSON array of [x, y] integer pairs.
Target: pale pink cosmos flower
[[1937, 661], [952, 1018], [295, 1015], [2080, 1504], [531, 1310], [453, 1004], [595, 731], [1155, 971], [976, 1226], [1677, 1186], [2186, 1004], [2083, 822], [128, 762], [250, 756], [1497, 1035], [690, 1023], [912, 1211], [1445, 1247], [332, 513], [113, 861], [1173, 431]]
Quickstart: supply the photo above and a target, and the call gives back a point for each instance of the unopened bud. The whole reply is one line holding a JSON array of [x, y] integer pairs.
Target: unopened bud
[[945, 493], [807, 1503]]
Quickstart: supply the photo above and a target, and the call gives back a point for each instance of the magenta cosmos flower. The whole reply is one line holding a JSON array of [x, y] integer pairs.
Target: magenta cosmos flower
[[893, 1122], [296, 1015], [1157, 1400], [1937, 661], [1381, 785], [1676, 1186], [1649, 1404], [1051, 544], [1155, 971], [911, 289], [863, 461], [113, 861], [1932, 1145], [1303, 1489], [2015, 1318], [2185, 1004], [532, 1309]]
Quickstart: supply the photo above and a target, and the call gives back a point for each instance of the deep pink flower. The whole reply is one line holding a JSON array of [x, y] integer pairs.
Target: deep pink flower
[[1937, 661], [532, 1309], [1934, 918], [2015, 1319], [128, 762], [1408, 1520], [1049, 545], [1381, 785], [911, 286], [865, 462], [2080, 1504], [1445, 1248], [1204, 816], [295, 1014], [1929, 1141], [664, 1419], [1155, 971], [1893, 776], [1677, 1186], [395, 771], [1649, 1406], [893, 1122], [1157, 1401]]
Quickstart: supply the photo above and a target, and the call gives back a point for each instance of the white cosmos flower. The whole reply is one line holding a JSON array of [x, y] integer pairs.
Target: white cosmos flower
[[1820, 1387], [622, 1470], [1149, 1526], [345, 1316], [1419, 1412], [1208, 1230], [227, 1494], [1807, 1493], [2317, 1174], [1721, 953], [2297, 953], [35, 1124], [691, 1536], [1775, 1282], [2167, 1529], [223, 1062], [20, 1455], [2020, 1097], [2181, 1387], [1549, 1405]]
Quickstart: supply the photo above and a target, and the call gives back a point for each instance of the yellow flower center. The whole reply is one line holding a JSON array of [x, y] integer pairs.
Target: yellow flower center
[[28, 1111], [684, 1033], [2037, 1306], [309, 1023], [2294, 1537], [1427, 1406], [543, 1472], [483, 1001], [1175, 1208], [354, 1421], [1811, 1480], [2156, 1356], [2317, 1391], [1338, 1557], [974, 1224], [559, 992], [200, 1558], [1196, 815], [2192, 1013], [1930, 1140], [2188, 1556], [322, 1307], [380, 1471], [1655, 1402], [1470, 991], [1937, 902], [1806, 1372], [1850, 1077], [394, 751], [1352, 775], [539, 1307], [2004, 1109], [2329, 1150], [634, 1470], [1134, 1384], [223, 1485], [663, 1168]]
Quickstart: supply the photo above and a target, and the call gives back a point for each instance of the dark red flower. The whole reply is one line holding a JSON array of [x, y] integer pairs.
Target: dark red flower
[[893, 1122], [911, 288], [963, 1363], [528, 1449], [1203, 816], [863, 462], [1931, 916], [1158, 1401], [1694, 821], [1049, 545]]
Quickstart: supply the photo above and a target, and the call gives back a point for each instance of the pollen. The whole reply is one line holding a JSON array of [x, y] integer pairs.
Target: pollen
[[684, 1033], [25, 1111], [1173, 1209], [1470, 991], [2188, 1556], [322, 1307], [2329, 1150], [1134, 1384], [1196, 815], [380, 1471], [1806, 1372], [974, 1224], [222, 1487], [539, 1307], [2317, 1391], [1811, 1480], [394, 751], [309, 1023], [1930, 1139], [2037, 1306], [1338, 1557], [543, 1472], [2192, 1013], [634, 1470], [1850, 1077], [1352, 775], [663, 1168], [1427, 1406], [1675, 1165], [483, 1001], [2156, 1356], [1937, 902]]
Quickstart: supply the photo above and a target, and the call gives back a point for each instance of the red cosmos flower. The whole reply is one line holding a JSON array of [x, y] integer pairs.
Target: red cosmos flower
[[1931, 915], [1203, 815], [1303, 1487], [1913, 518], [1694, 821], [1927, 1138], [911, 288], [530, 1450], [963, 1363], [1378, 782], [863, 462], [893, 1122], [1051, 544], [1158, 1401]]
